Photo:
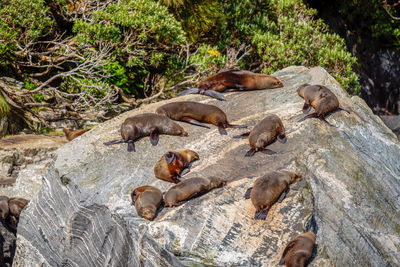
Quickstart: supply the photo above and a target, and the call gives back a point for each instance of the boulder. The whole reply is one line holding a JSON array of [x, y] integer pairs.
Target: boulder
[[349, 194]]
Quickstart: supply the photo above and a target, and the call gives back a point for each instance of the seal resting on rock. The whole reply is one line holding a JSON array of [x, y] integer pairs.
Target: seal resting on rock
[[320, 98], [4, 209], [299, 250], [72, 134], [147, 199], [265, 133], [147, 124], [194, 113], [174, 164], [16, 205], [233, 80], [190, 188], [268, 189]]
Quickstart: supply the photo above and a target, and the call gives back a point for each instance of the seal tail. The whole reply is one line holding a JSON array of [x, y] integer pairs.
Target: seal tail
[[189, 91], [113, 142]]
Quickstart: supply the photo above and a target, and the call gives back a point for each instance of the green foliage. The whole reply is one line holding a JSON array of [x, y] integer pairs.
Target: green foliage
[[4, 107], [208, 57]]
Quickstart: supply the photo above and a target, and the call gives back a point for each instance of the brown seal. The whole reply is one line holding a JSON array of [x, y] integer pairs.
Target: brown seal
[[71, 134], [299, 250], [147, 124], [194, 113], [190, 188], [233, 80], [147, 199], [320, 98], [4, 209], [265, 133], [268, 189], [174, 164], [16, 205]]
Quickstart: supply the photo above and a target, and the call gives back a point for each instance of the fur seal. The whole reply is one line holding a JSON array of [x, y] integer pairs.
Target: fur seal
[[190, 188], [147, 199], [147, 124], [299, 250], [268, 189], [71, 134], [264, 133], [233, 80], [194, 113], [320, 98], [16, 205], [173, 164], [4, 209]]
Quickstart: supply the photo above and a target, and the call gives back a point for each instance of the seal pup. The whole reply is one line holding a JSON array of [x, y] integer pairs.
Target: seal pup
[[194, 113], [320, 98], [268, 189], [190, 188], [265, 133], [147, 199], [16, 205], [4, 209], [299, 250], [72, 134], [147, 124], [233, 80], [174, 164]]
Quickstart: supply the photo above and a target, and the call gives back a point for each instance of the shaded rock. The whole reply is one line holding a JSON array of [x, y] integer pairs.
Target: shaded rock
[[393, 123], [349, 193], [7, 245]]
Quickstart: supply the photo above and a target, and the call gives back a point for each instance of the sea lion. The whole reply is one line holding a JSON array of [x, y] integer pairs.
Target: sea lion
[[320, 98], [147, 124], [299, 250], [4, 209], [173, 164], [190, 188], [194, 113], [71, 134], [233, 80], [265, 133], [147, 199], [16, 204], [268, 189]]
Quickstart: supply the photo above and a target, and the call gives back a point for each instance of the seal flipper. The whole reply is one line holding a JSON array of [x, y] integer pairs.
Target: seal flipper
[[237, 126], [344, 110], [282, 140], [169, 157], [244, 135], [312, 115], [306, 107], [189, 91], [250, 153], [247, 194], [214, 94], [222, 130], [193, 121], [184, 171], [154, 137], [113, 142], [131, 146], [261, 214], [322, 118], [283, 195]]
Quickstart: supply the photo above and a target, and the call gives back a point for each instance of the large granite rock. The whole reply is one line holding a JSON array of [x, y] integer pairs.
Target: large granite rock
[[349, 193]]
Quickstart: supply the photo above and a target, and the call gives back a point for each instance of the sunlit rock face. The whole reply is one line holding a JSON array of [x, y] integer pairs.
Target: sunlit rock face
[[349, 194]]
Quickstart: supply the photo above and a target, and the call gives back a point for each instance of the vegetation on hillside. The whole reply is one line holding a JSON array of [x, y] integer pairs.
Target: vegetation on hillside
[[79, 59]]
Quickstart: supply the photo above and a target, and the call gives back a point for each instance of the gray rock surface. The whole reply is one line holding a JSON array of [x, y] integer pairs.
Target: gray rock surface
[[349, 193]]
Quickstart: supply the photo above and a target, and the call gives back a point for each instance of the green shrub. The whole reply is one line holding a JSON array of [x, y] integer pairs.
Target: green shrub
[[4, 107]]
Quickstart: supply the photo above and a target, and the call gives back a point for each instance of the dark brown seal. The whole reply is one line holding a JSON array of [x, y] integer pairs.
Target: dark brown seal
[[16, 205], [4, 209], [265, 133], [190, 188], [320, 98], [194, 113], [233, 80], [299, 250], [268, 189], [147, 199], [147, 124], [72, 134], [174, 164]]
